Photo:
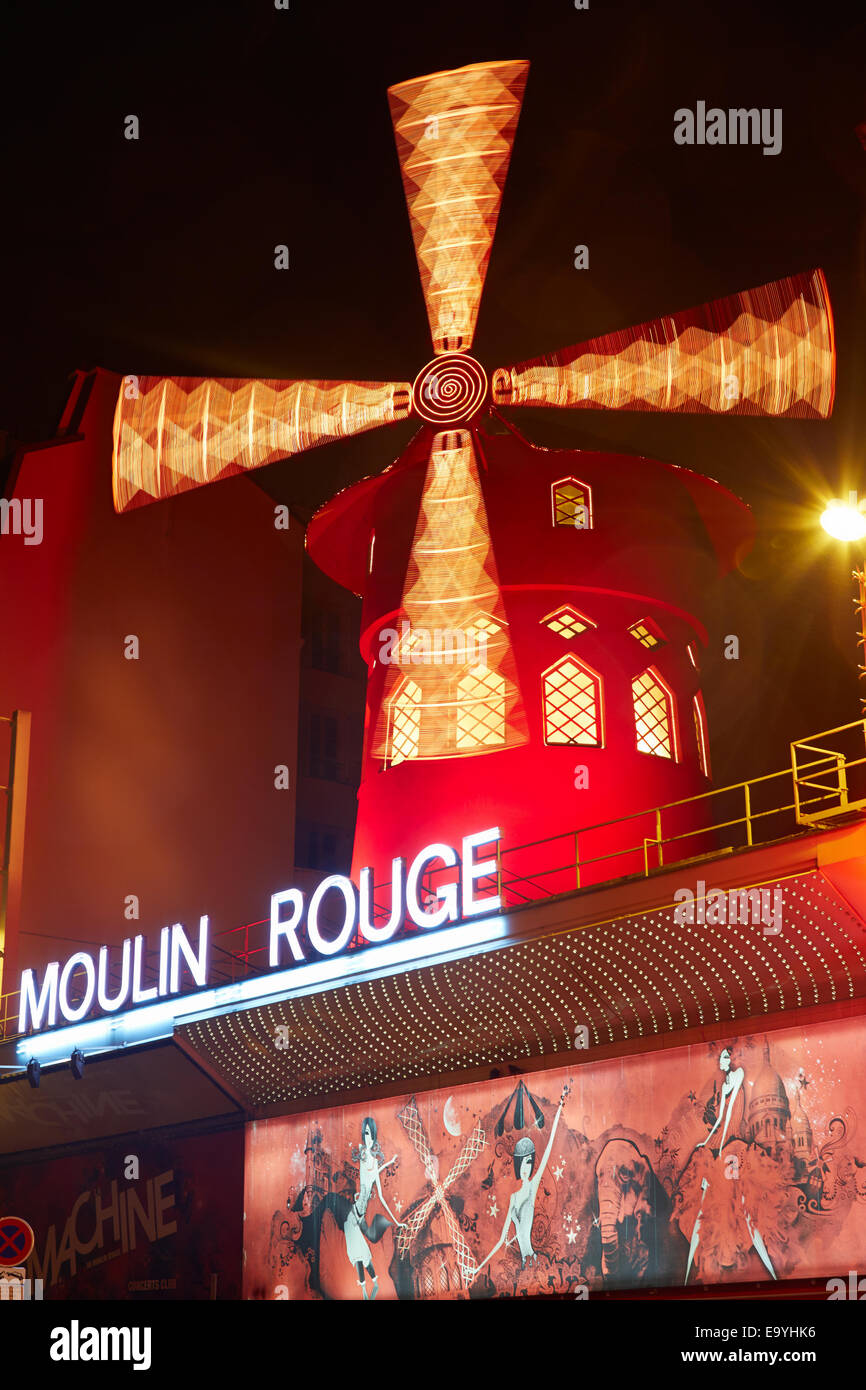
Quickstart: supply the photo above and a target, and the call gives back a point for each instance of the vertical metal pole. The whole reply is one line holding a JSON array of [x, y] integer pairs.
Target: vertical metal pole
[[860, 605], [13, 857], [499, 872], [748, 794], [795, 776], [842, 778]]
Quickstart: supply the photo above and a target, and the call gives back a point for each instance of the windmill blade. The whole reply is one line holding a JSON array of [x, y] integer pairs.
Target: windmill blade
[[768, 351], [172, 434], [451, 689], [454, 134]]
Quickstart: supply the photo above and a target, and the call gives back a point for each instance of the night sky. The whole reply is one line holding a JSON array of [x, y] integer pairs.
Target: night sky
[[261, 127]]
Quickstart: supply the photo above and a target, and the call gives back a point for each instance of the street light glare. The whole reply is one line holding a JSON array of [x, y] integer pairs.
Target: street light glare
[[843, 522]]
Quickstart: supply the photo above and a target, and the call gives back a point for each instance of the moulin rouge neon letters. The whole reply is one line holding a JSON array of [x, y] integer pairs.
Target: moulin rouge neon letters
[[41, 1009], [452, 902], [404, 900]]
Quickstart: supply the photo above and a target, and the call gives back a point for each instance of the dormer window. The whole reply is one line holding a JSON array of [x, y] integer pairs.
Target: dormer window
[[568, 622], [572, 504], [648, 634]]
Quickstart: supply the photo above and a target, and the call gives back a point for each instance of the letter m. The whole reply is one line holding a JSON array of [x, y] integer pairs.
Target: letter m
[[112, 1337], [449, 645], [46, 1003], [741, 120], [744, 906]]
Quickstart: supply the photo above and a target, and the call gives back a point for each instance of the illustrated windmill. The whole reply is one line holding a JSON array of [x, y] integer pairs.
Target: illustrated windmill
[[590, 640]]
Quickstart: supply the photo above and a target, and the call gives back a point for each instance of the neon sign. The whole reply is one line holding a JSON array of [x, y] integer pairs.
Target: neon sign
[[290, 912]]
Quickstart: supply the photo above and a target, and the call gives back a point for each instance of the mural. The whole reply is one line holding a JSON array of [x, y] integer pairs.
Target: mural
[[732, 1161]]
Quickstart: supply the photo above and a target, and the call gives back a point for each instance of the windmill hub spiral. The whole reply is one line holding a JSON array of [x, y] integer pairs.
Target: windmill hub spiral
[[449, 389]]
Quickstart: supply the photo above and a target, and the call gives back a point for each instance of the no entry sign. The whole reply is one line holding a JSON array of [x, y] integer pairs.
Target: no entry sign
[[16, 1240]]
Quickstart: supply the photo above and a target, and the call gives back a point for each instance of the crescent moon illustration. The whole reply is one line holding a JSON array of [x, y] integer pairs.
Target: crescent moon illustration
[[450, 1117]]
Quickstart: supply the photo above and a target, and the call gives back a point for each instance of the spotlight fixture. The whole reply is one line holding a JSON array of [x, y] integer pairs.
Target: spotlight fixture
[[77, 1063], [33, 1070], [844, 521]]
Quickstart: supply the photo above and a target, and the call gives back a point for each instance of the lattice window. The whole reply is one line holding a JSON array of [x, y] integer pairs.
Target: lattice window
[[654, 715], [572, 704], [480, 709], [567, 622], [647, 634], [482, 622], [700, 718], [405, 723], [572, 504]]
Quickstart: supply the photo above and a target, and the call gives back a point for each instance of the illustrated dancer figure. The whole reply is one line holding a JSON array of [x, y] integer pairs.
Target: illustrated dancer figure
[[521, 1205], [356, 1228], [731, 1087]]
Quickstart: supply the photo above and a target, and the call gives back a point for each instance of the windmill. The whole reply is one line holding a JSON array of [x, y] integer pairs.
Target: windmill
[[435, 545]]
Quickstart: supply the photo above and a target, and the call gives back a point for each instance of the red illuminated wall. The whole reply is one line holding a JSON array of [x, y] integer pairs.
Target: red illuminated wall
[[152, 777], [617, 1201], [660, 537]]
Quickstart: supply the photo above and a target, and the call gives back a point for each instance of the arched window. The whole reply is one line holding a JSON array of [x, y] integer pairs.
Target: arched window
[[654, 718], [480, 709], [572, 704], [572, 504], [700, 717], [405, 723]]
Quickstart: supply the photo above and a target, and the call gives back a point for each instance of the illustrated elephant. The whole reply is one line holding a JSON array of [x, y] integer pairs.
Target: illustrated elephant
[[637, 1242]]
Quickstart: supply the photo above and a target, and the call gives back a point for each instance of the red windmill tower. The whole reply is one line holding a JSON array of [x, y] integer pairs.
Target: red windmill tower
[[526, 611]]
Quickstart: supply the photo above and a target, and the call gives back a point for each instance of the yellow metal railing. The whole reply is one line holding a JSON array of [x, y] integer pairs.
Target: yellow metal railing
[[8, 1014], [656, 842], [816, 801], [830, 763]]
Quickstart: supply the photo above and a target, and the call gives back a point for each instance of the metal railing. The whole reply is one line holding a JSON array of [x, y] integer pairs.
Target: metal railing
[[832, 764], [816, 801], [825, 782]]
